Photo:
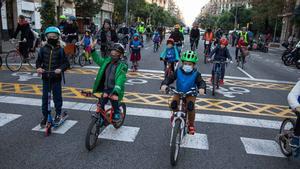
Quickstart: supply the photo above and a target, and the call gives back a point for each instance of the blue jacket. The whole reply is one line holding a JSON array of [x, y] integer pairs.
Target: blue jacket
[[170, 54], [136, 43]]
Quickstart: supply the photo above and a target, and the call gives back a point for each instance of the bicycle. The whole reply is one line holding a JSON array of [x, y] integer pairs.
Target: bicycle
[[193, 44], [207, 51], [14, 58], [155, 46], [217, 75], [285, 135], [84, 55], [100, 119], [242, 57], [71, 49], [51, 124], [179, 123]]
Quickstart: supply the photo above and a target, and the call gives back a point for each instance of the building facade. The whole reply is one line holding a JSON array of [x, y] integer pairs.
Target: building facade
[[161, 3], [106, 12]]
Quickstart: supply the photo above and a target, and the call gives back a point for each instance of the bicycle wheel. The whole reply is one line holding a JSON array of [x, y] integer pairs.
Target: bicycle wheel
[[32, 58], [285, 133], [82, 59], [123, 114], [14, 60], [288, 61], [175, 142], [92, 134]]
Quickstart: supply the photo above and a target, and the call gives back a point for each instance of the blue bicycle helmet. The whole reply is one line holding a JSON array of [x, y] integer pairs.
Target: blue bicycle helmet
[[72, 18], [52, 29], [135, 35]]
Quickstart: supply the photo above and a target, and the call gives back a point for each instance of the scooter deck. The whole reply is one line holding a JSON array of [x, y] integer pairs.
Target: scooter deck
[[62, 120]]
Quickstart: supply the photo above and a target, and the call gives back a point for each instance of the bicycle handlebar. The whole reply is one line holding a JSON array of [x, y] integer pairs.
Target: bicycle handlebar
[[89, 94], [172, 90]]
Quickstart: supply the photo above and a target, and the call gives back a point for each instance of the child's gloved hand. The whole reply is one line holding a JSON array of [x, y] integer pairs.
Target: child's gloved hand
[[40, 70], [201, 91], [57, 71], [163, 88]]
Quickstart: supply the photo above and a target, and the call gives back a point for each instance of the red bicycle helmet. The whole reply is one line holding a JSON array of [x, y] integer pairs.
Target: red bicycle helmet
[[170, 40], [224, 41]]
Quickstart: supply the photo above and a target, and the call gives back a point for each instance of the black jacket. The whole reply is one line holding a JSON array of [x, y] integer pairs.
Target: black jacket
[[58, 60], [220, 54], [177, 36], [103, 39], [25, 33], [195, 33]]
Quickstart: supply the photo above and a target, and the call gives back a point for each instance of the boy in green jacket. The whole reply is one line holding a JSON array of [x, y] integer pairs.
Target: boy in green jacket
[[111, 78]]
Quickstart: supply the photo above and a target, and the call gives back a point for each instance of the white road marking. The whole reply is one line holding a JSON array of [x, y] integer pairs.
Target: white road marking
[[247, 74], [197, 141], [60, 130], [124, 133], [155, 113], [207, 75], [6, 118], [261, 147]]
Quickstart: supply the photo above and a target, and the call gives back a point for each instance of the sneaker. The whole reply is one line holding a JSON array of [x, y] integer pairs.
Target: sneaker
[[43, 122], [221, 82], [295, 142], [57, 119], [192, 130]]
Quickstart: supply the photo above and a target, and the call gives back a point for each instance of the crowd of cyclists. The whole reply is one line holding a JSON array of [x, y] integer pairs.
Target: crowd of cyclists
[[113, 67]]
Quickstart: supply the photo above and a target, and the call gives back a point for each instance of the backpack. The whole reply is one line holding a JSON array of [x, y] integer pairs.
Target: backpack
[[156, 38]]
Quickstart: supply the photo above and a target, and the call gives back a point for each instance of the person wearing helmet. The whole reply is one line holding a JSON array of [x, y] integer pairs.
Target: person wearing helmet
[[156, 38], [208, 38], [107, 37], [26, 34], [178, 37], [51, 58], [220, 53], [63, 22], [135, 46], [194, 36], [71, 30], [111, 77], [141, 30], [187, 77], [123, 35], [87, 41], [245, 36], [170, 55]]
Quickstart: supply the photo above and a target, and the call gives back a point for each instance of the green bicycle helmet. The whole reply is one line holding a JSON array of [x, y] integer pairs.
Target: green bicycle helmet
[[52, 29], [189, 56], [62, 17]]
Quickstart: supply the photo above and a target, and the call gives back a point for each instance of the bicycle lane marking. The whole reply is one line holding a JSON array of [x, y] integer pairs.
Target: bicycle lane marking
[[247, 74]]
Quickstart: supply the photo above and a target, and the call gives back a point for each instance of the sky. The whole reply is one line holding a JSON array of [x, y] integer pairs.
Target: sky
[[190, 9]]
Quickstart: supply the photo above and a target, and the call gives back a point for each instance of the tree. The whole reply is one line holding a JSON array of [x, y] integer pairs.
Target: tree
[[226, 21], [48, 14], [88, 8]]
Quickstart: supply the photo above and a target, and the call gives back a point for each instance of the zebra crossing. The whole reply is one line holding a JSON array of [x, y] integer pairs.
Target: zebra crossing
[[199, 141]]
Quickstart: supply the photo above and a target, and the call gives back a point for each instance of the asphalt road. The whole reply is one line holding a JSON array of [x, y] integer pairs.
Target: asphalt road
[[236, 129]]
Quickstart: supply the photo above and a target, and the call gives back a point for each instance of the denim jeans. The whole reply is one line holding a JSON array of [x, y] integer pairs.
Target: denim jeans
[[55, 88]]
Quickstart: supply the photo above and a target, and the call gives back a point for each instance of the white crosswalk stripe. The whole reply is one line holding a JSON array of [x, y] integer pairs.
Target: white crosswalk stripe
[[253, 146], [6, 118]]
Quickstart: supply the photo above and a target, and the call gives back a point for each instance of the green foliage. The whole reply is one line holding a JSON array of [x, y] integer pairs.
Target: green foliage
[[88, 8], [145, 11], [48, 14]]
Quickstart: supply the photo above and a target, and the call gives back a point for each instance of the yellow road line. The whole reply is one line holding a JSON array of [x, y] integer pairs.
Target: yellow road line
[[159, 76], [228, 106]]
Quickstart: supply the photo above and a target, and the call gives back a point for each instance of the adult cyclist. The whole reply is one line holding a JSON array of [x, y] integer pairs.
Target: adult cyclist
[[294, 102], [194, 36], [208, 38], [141, 30], [178, 37]]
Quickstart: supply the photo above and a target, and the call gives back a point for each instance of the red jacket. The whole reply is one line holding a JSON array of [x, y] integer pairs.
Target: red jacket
[[241, 43]]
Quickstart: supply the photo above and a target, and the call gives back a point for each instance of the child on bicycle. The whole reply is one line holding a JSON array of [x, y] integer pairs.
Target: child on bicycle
[[170, 55], [156, 38], [242, 45], [294, 102], [187, 77], [135, 46], [111, 77], [87, 41], [51, 58], [220, 53]]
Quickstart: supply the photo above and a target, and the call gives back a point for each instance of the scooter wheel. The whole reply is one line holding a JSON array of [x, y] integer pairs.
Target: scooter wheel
[[48, 130]]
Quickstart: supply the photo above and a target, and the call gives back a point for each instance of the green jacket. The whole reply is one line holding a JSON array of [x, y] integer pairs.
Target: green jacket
[[120, 78]]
